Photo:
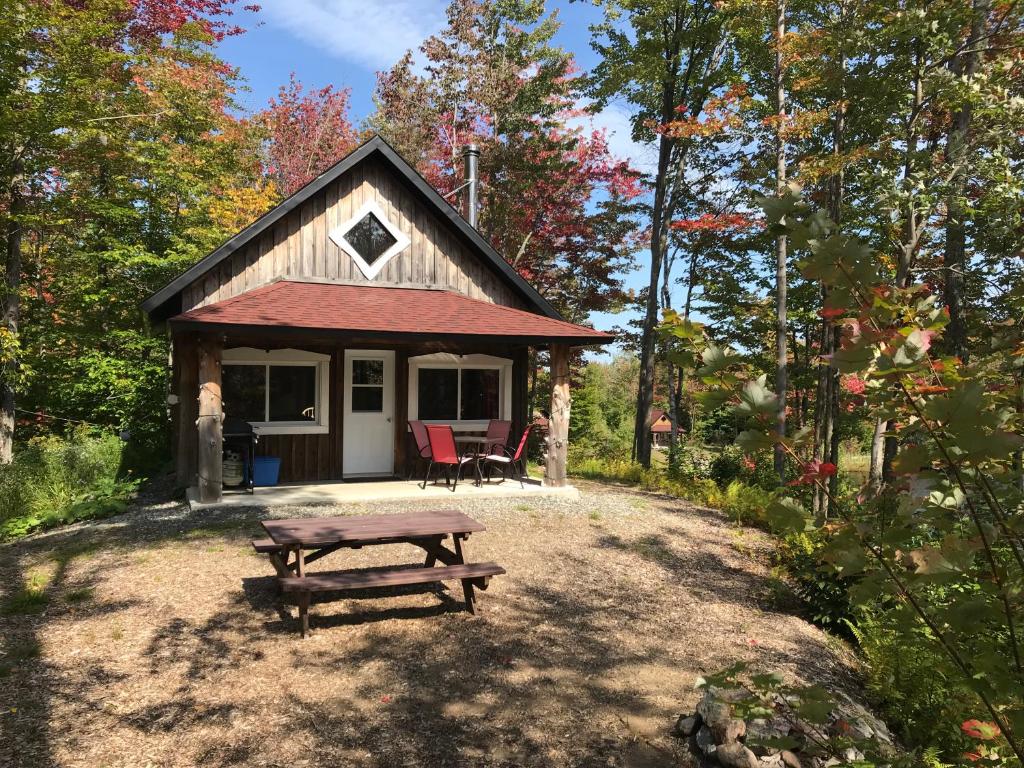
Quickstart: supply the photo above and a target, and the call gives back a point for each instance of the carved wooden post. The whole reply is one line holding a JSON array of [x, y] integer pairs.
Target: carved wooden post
[[186, 362], [211, 415], [558, 425]]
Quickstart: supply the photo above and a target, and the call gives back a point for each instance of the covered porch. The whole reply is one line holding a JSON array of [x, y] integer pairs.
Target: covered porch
[[330, 375]]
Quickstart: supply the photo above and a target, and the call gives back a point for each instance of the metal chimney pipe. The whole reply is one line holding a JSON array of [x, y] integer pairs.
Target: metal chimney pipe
[[470, 155]]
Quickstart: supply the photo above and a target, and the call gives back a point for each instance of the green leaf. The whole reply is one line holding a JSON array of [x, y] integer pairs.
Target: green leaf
[[786, 515], [756, 398], [853, 358], [716, 359], [753, 440]]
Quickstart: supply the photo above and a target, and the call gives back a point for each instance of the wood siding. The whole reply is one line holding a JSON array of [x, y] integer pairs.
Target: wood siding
[[317, 458], [298, 247]]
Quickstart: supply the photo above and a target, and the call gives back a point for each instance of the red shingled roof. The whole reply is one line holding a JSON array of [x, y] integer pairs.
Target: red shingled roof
[[382, 310]]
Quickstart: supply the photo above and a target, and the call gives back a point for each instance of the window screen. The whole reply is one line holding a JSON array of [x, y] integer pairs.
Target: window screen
[[438, 393], [243, 389], [480, 393], [292, 393]]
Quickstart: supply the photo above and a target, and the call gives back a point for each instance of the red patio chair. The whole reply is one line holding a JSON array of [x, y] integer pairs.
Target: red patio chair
[[419, 434], [508, 460], [444, 452], [497, 436]]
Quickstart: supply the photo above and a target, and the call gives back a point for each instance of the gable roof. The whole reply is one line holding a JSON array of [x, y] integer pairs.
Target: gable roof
[[167, 302]]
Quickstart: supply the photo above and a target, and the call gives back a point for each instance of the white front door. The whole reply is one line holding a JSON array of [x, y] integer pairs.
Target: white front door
[[368, 441]]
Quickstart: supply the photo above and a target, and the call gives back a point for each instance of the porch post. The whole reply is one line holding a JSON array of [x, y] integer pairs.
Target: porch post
[[211, 415], [185, 365], [556, 458]]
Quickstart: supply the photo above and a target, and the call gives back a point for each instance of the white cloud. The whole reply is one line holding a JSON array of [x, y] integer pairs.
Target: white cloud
[[615, 121], [372, 33]]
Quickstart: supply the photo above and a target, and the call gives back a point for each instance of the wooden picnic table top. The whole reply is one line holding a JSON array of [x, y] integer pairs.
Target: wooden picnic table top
[[319, 531]]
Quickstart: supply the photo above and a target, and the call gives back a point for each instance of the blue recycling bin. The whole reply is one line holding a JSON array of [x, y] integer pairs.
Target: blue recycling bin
[[265, 470]]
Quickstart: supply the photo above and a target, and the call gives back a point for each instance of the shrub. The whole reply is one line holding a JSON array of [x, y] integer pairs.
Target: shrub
[[823, 593], [745, 503], [55, 480], [912, 684]]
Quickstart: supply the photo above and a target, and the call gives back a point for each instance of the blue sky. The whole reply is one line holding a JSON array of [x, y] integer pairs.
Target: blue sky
[[345, 42]]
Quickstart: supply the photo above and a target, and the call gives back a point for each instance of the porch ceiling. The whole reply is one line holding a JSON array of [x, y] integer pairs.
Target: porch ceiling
[[288, 307]]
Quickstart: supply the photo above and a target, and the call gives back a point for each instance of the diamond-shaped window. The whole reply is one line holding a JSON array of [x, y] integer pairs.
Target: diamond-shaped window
[[370, 239]]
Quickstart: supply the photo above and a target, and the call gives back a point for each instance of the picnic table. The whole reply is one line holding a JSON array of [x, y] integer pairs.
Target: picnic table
[[290, 540]]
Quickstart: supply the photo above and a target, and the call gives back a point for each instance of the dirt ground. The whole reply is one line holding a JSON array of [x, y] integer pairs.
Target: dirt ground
[[161, 642]]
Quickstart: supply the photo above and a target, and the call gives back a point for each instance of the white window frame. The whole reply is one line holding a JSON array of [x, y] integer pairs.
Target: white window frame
[[287, 357], [446, 361], [370, 271]]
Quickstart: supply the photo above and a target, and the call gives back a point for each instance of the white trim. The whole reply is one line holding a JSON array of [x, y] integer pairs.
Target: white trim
[[445, 360], [283, 357], [402, 241]]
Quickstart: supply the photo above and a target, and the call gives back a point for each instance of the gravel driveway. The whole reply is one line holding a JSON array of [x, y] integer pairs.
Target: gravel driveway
[[161, 642]]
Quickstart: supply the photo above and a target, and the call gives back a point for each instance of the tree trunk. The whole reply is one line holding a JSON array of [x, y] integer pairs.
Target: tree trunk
[[659, 245], [12, 316], [954, 259], [912, 227], [780, 243]]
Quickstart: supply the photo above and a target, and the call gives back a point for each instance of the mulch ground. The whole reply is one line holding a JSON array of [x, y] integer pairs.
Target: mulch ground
[[161, 642]]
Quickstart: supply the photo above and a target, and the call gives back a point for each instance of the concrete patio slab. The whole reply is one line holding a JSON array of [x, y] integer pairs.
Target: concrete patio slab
[[355, 492]]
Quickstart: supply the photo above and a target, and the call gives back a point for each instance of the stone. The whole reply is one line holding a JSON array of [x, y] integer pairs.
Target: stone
[[735, 755], [713, 713], [851, 719], [852, 755], [687, 725], [705, 741], [764, 729], [770, 761], [733, 731], [789, 759]]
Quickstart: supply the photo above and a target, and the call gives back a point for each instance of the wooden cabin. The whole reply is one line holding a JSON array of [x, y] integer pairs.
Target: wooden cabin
[[661, 428], [362, 301]]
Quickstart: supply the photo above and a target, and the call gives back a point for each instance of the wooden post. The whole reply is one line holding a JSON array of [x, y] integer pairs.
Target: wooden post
[[185, 362], [556, 457], [211, 415]]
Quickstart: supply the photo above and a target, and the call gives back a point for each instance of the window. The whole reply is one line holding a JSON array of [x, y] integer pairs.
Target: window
[[370, 239], [367, 386], [466, 390], [279, 392], [439, 393]]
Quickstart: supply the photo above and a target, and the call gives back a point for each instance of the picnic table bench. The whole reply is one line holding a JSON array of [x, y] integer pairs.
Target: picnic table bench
[[290, 540]]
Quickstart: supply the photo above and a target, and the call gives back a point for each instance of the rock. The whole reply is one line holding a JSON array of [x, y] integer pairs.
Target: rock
[[714, 714], [851, 719], [735, 755], [733, 731], [771, 761], [763, 729], [687, 725], [705, 741], [851, 755], [790, 760]]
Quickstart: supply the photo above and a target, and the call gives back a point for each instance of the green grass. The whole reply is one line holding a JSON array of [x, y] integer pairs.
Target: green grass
[[26, 602], [55, 481]]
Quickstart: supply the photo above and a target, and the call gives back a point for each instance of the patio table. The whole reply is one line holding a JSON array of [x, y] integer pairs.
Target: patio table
[[479, 441], [291, 539]]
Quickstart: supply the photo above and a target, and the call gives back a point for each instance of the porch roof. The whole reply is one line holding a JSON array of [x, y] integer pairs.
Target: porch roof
[[289, 306]]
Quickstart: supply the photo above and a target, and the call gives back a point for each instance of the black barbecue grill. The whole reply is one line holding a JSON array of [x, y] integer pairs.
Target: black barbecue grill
[[240, 435]]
